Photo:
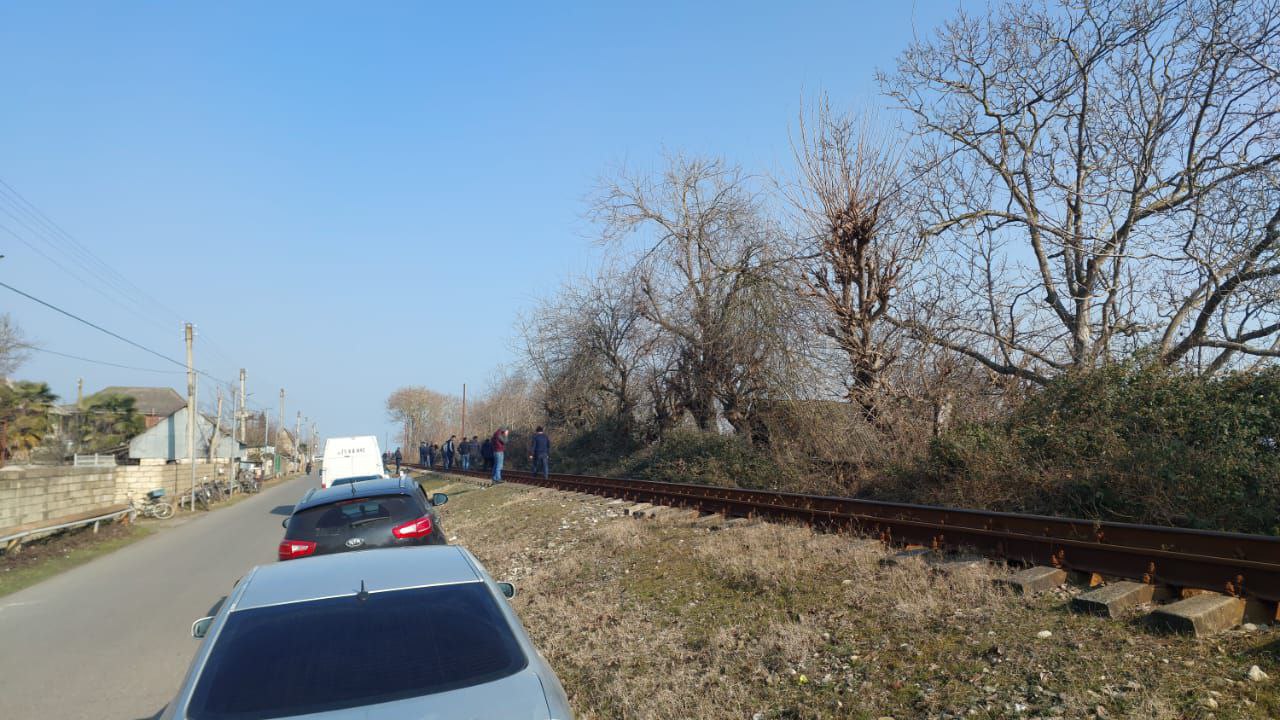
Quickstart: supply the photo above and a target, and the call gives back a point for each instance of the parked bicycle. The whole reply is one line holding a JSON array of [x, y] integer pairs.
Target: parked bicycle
[[153, 506]]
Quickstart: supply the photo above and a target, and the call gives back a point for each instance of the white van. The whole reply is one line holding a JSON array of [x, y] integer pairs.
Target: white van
[[346, 457]]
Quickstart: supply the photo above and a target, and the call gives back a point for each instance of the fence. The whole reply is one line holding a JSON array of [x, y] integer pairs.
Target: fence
[[95, 460]]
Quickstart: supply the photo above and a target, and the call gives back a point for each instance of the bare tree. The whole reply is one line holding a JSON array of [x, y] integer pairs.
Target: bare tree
[[861, 244], [587, 345], [1077, 162], [423, 414], [13, 346], [705, 264]]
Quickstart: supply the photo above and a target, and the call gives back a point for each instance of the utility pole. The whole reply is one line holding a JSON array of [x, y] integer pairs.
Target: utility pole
[[217, 429], [79, 392], [464, 411], [280, 426], [297, 436], [242, 405], [191, 412]]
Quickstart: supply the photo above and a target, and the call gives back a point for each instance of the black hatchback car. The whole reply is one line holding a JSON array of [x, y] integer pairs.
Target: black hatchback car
[[385, 512]]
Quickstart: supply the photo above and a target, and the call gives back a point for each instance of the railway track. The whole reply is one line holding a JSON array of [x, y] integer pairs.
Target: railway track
[[1246, 566]]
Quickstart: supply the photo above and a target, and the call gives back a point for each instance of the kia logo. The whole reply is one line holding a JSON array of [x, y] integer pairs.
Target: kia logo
[[355, 543]]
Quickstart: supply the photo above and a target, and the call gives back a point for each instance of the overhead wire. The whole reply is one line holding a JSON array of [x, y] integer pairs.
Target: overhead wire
[[60, 240], [96, 362], [83, 255]]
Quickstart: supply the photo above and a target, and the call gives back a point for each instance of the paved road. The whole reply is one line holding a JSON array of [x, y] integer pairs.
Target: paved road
[[112, 639]]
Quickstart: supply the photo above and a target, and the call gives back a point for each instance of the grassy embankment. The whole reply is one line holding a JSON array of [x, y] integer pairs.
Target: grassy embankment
[[668, 618]]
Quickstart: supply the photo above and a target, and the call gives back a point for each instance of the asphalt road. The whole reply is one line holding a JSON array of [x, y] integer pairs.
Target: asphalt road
[[112, 638]]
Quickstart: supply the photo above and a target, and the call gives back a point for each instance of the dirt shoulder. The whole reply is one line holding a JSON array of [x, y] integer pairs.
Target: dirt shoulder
[[677, 618]]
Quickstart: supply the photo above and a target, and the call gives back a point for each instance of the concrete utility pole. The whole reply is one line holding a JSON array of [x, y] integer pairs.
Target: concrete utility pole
[[191, 411], [242, 423], [464, 411], [217, 429], [280, 425], [80, 392], [297, 436]]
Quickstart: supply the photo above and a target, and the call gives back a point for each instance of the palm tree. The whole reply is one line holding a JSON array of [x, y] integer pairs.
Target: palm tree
[[110, 422], [24, 416]]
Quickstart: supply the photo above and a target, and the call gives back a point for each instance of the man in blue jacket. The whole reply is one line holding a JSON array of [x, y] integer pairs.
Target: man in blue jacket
[[540, 452]]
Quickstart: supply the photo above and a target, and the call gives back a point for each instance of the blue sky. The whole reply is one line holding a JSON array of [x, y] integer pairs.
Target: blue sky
[[350, 197]]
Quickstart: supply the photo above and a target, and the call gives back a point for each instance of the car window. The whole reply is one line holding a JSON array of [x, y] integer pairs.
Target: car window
[[346, 652], [337, 518]]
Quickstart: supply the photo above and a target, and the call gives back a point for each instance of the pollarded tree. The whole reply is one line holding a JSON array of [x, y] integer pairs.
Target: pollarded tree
[[860, 246], [1098, 176]]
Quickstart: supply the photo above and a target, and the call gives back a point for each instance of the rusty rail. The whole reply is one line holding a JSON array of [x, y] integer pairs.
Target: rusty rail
[[1232, 563]]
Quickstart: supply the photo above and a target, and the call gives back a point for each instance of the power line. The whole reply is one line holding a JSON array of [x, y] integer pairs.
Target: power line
[[117, 336], [114, 278], [97, 362]]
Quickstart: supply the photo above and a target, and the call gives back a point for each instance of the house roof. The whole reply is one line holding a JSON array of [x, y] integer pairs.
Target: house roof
[[161, 401]]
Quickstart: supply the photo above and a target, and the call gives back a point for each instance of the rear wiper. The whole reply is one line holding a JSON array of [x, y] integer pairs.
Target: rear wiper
[[365, 521]]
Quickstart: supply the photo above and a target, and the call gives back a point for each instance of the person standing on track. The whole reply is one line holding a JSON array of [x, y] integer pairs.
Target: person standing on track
[[499, 450], [486, 453], [399, 458], [540, 453], [475, 451], [449, 449], [465, 454]]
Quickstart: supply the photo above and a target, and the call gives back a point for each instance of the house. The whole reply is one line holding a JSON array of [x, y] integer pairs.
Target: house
[[166, 440], [153, 403]]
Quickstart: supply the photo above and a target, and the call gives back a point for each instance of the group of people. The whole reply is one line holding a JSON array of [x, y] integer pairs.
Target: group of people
[[473, 454]]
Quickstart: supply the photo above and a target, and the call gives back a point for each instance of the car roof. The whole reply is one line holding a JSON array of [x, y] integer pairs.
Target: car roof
[[339, 574], [364, 488]]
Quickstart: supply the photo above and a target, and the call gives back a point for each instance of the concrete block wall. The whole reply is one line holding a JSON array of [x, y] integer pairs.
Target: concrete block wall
[[29, 495], [138, 480], [38, 494]]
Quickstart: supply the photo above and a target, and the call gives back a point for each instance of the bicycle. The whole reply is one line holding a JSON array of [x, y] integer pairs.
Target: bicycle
[[153, 507], [203, 498]]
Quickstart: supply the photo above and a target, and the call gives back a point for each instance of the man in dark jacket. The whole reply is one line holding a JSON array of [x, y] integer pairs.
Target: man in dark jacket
[[398, 457], [449, 448], [486, 453], [464, 453], [540, 452], [422, 453]]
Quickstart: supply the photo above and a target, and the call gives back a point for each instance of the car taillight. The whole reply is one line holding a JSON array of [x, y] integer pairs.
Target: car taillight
[[414, 528], [290, 549]]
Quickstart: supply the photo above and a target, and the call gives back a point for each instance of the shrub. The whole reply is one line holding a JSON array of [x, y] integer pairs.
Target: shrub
[[1127, 442]]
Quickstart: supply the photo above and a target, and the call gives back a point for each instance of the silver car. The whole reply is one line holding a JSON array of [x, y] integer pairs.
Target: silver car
[[420, 632]]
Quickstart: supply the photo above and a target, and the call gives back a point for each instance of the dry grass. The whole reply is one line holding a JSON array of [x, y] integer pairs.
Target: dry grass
[[672, 619]]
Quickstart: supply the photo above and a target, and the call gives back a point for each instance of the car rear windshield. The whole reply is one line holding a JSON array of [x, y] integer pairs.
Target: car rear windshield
[[338, 518], [347, 652]]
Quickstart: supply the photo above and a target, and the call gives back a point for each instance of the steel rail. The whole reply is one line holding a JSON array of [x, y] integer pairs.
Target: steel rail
[[1232, 563]]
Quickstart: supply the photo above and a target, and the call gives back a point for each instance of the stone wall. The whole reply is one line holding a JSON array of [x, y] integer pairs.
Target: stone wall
[[29, 495]]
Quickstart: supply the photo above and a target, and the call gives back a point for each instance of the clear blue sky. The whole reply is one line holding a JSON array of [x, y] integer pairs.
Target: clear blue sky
[[350, 197]]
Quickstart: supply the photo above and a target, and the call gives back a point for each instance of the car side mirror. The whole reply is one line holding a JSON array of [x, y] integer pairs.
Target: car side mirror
[[285, 523], [439, 499], [200, 628], [507, 589]]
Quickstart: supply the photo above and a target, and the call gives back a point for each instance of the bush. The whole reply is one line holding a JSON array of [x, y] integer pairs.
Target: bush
[[1127, 442], [686, 455]]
